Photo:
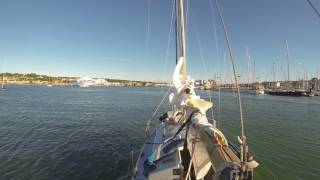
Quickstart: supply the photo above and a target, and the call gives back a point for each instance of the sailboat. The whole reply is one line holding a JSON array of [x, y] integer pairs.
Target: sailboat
[[259, 89], [2, 82], [50, 82], [288, 90], [185, 145]]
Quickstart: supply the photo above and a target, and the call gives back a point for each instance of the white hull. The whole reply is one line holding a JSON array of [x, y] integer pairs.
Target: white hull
[[259, 92]]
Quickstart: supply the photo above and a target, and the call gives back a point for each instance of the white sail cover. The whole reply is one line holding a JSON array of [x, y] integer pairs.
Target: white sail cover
[[180, 83], [190, 102], [200, 158]]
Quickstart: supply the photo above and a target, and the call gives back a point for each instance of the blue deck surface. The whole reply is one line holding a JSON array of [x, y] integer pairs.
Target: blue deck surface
[[158, 136]]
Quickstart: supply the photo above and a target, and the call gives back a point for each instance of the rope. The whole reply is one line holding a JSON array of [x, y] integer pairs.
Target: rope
[[243, 158], [181, 127]]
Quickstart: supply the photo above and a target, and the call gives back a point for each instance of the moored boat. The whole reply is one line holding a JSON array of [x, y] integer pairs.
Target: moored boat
[[280, 92], [259, 91]]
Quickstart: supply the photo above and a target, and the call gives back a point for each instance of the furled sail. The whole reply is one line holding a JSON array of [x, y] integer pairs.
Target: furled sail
[[184, 87], [206, 144], [185, 99], [199, 156]]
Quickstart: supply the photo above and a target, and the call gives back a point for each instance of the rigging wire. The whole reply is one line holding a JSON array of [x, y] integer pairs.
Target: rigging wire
[[166, 59], [169, 39], [131, 163], [202, 59], [148, 29], [314, 8], [218, 58], [156, 110], [243, 139], [187, 20]]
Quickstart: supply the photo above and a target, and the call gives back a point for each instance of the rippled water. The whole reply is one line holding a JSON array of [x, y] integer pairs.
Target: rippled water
[[88, 133]]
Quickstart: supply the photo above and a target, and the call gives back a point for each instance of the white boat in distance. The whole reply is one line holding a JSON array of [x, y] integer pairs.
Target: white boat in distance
[[86, 82], [259, 91]]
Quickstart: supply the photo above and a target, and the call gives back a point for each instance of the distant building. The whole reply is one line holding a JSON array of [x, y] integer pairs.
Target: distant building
[[211, 84], [205, 84]]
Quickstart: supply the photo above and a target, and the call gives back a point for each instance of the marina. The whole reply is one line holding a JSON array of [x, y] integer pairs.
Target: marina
[[159, 90]]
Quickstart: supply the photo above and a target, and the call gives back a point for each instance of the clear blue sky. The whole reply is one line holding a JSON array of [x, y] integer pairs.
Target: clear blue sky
[[108, 38]]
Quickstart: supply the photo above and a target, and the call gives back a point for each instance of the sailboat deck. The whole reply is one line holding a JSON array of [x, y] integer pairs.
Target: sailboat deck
[[158, 136]]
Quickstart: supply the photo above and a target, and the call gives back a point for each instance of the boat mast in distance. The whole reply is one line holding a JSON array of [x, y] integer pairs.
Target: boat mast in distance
[[287, 55], [2, 82]]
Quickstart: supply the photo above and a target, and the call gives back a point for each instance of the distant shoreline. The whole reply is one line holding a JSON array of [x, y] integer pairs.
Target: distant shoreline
[[26, 83], [36, 79]]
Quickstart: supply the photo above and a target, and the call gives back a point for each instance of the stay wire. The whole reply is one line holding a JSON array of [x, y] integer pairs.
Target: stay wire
[[202, 59], [314, 8], [219, 59], [243, 144]]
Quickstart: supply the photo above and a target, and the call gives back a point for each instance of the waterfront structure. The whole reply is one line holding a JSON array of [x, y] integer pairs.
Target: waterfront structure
[[205, 84]]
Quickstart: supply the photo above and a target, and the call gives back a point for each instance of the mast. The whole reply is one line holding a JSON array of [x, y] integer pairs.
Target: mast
[[2, 83], [248, 66], [254, 71], [2, 80], [273, 75], [176, 28], [183, 41], [287, 55], [300, 76]]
